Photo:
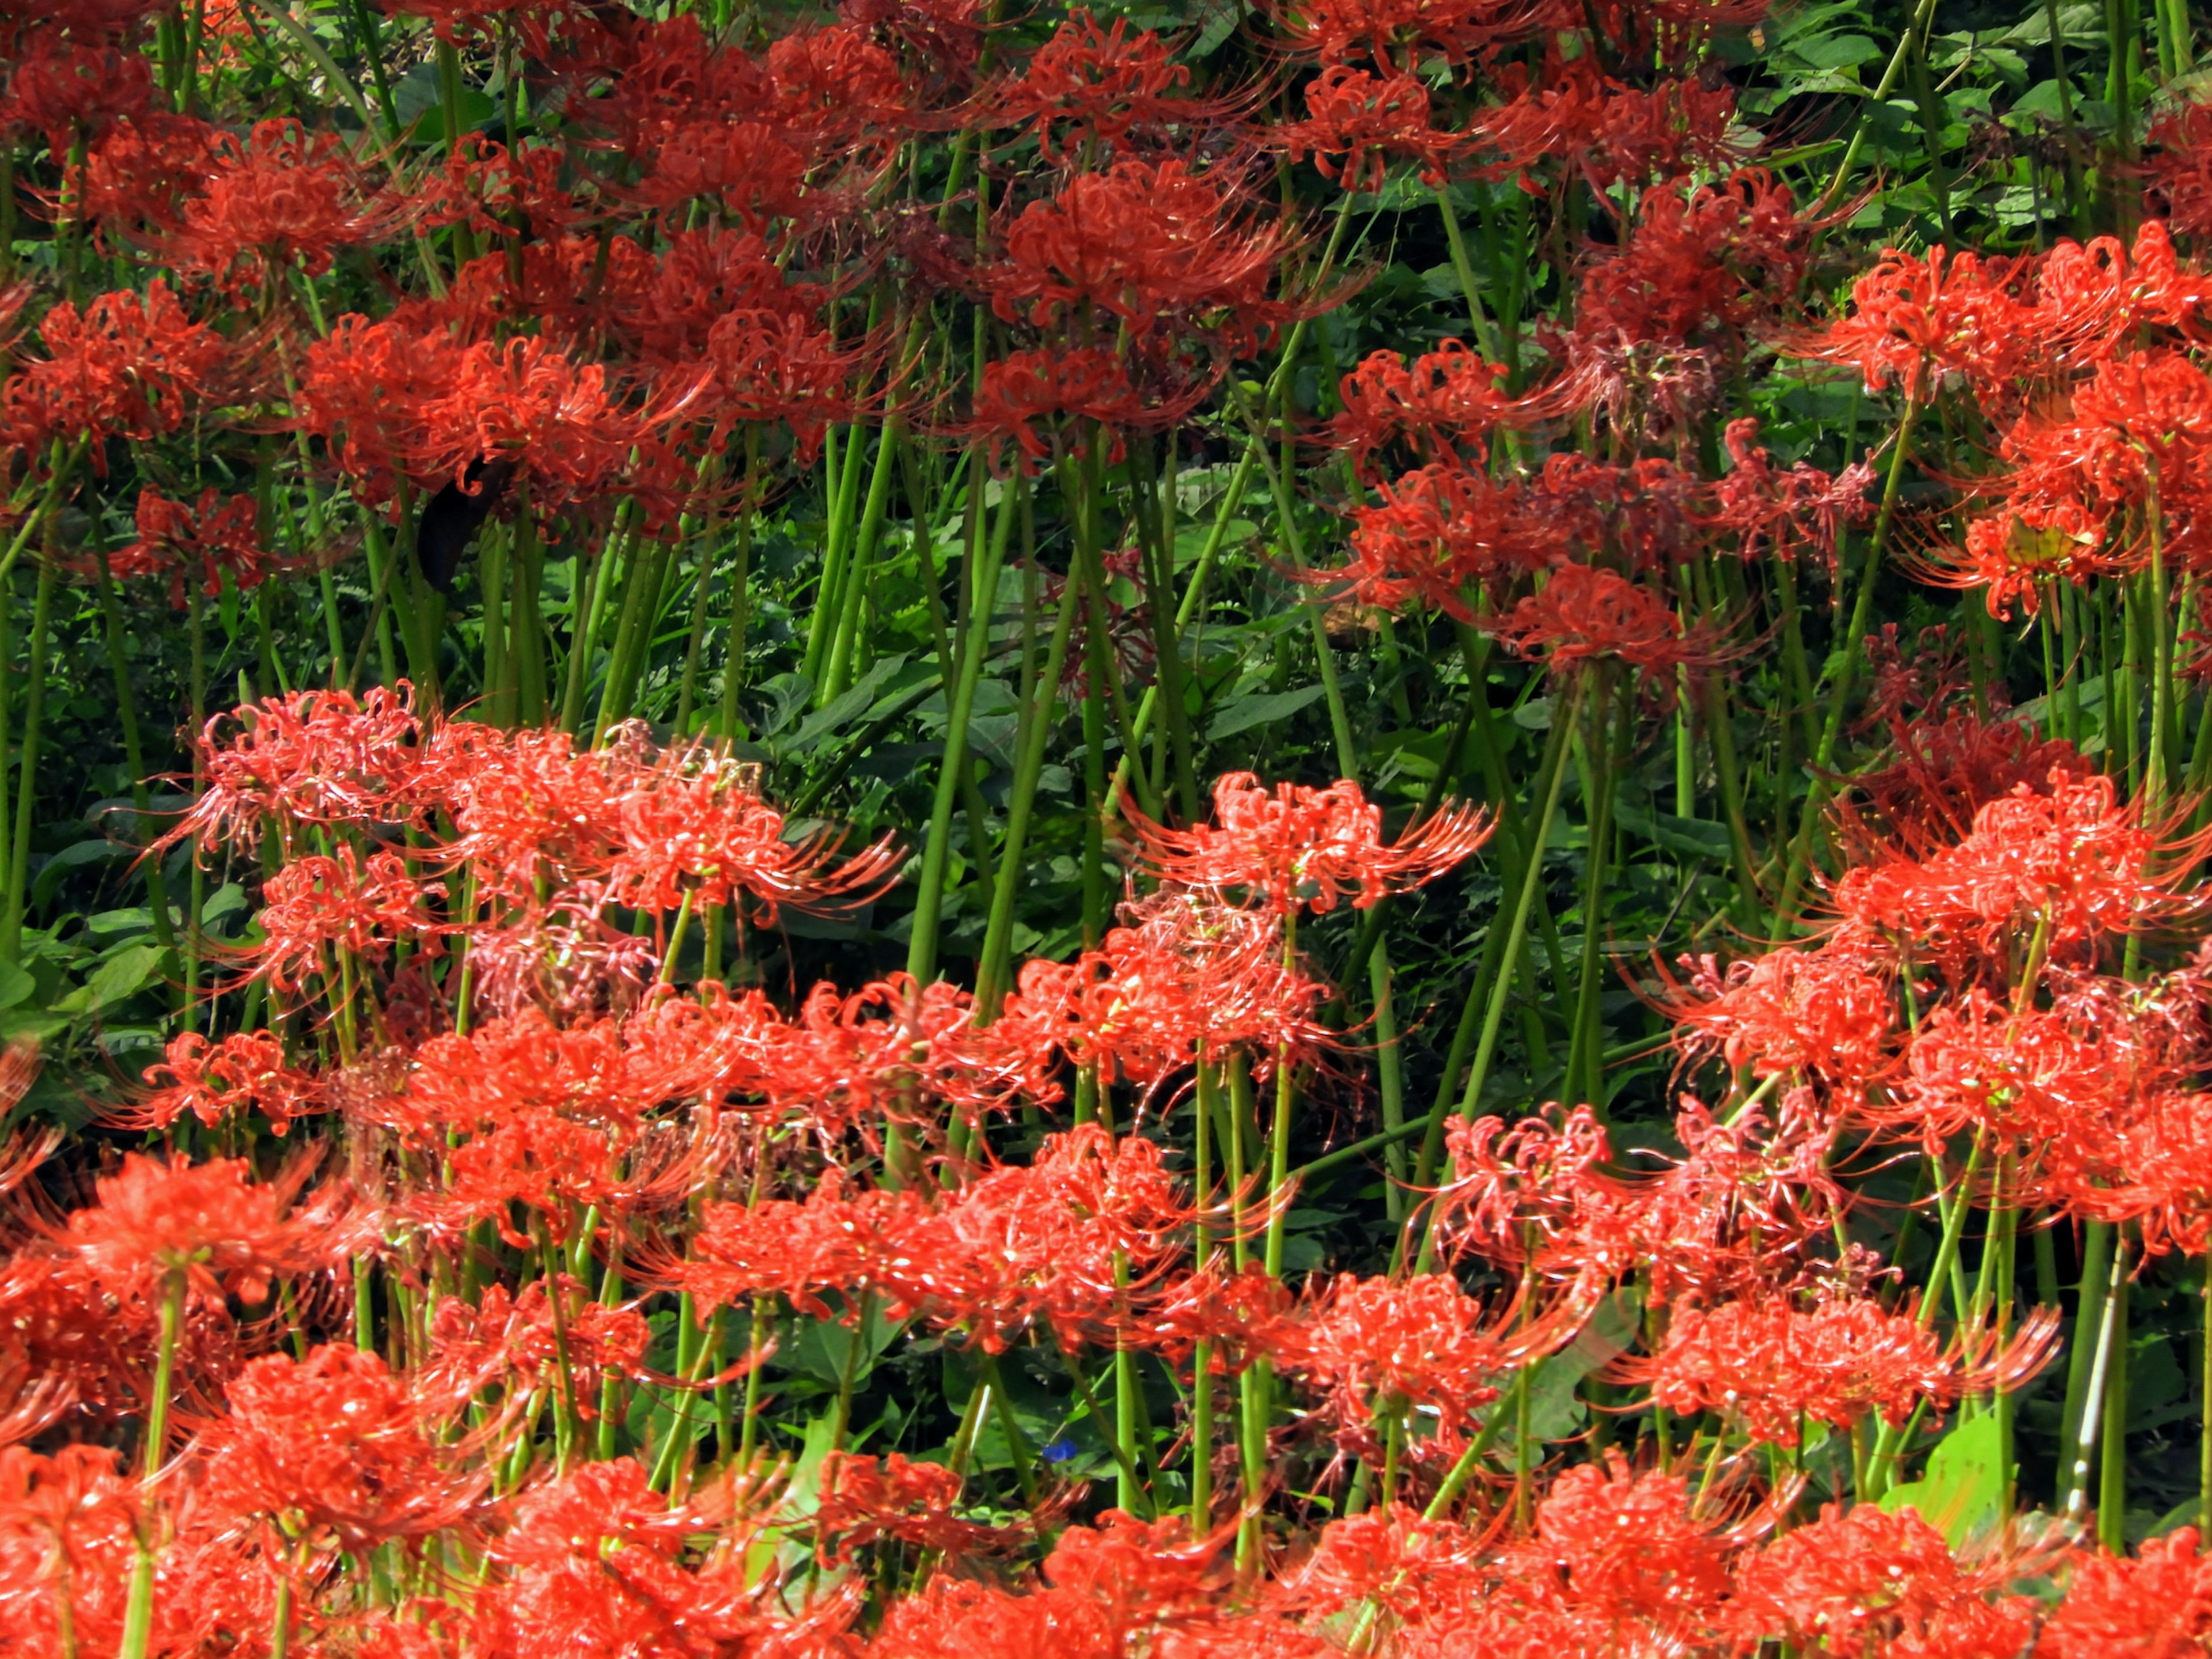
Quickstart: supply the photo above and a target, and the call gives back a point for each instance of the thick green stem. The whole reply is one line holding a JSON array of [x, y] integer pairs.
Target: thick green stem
[[138, 1608], [2091, 1413], [26, 762], [1851, 648], [972, 649], [992, 978], [1517, 933]]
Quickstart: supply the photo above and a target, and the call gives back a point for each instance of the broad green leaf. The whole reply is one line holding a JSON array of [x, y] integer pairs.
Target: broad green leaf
[[123, 975], [1242, 713], [1964, 1486]]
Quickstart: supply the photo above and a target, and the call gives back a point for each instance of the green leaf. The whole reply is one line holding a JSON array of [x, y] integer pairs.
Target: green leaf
[[1242, 713], [820, 1347], [788, 694], [1964, 1486], [1838, 52], [841, 710], [1697, 838], [15, 985], [77, 856], [123, 975]]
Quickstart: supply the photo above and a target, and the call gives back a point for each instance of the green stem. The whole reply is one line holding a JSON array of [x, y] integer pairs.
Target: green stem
[[1494, 1019], [993, 977], [2091, 1413], [1851, 648], [27, 796], [138, 1608]]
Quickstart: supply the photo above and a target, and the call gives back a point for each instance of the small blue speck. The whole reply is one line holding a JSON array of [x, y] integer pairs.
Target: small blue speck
[[1059, 1450]]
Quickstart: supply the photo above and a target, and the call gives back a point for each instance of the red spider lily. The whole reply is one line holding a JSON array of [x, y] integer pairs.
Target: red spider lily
[[573, 966], [1126, 1586], [1828, 1013], [459, 20], [1187, 978], [2015, 563], [1140, 241], [1934, 676], [796, 1251], [1625, 1549], [67, 1507], [865, 1500], [1647, 511], [1386, 29], [1055, 1239], [2096, 299], [1613, 133], [2156, 1606], [1784, 511], [2146, 1165], [369, 390], [688, 825], [1735, 1212], [553, 420], [1522, 1193], [1585, 614], [555, 1170], [1422, 1572], [1862, 1581], [60, 87], [497, 189], [528, 804], [2178, 157], [2179, 162], [597, 1566], [1699, 266], [224, 541], [334, 1446], [1946, 771], [137, 175], [2018, 1074], [1293, 845], [1447, 399], [1358, 124], [625, 824], [1086, 382], [1091, 85], [2075, 861], [1942, 314], [212, 1224], [126, 365], [525, 1068], [1059, 1240], [516, 1341], [840, 87], [359, 908], [64, 1324], [750, 169], [2137, 433], [670, 305], [848, 1062], [306, 758], [246, 1071], [764, 367], [1772, 1366], [67, 1534], [1437, 532], [1245, 1316], [281, 196], [1422, 1346]]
